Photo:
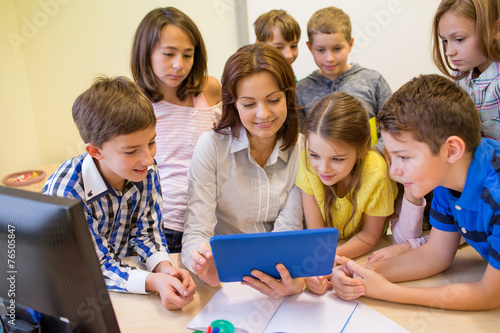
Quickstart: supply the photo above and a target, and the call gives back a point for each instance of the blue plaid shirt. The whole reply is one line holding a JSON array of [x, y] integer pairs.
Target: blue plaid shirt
[[119, 222]]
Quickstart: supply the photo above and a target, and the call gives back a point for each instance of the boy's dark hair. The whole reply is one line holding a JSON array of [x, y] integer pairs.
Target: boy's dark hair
[[432, 108], [329, 20], [252, 59], [288, 26], [146, 39], [112, 107]]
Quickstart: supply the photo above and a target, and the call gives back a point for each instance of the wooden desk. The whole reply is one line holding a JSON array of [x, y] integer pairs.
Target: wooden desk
[[144, 313]]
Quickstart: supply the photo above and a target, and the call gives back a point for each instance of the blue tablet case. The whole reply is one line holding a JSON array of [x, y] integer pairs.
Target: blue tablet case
[[304, 253]]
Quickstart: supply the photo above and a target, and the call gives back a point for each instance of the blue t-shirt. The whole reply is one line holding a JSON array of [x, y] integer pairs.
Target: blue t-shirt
[[475, 212]]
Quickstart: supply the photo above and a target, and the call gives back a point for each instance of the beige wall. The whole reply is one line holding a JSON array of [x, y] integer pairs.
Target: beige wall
[[51, 50]]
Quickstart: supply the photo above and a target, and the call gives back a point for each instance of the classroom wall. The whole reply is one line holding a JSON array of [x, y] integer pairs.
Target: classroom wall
[[17, 124], [53, 49]]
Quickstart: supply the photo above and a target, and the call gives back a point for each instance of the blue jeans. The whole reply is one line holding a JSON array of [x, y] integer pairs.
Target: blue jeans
[[174, 240]]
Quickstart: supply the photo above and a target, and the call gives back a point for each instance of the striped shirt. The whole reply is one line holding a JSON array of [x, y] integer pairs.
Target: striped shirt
[[177, 130], [485, 92], [475, 212], [119, 222]]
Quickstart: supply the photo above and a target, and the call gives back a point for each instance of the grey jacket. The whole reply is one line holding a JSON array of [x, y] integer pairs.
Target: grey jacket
[[367, 85]]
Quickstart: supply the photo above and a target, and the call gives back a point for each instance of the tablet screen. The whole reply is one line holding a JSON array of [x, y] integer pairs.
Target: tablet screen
[[304, 253]]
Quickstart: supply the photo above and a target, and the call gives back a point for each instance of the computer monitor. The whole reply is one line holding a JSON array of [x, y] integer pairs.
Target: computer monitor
[[49, 264]]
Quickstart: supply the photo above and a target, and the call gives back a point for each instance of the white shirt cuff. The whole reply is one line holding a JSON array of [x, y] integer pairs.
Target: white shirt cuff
[[156, 258], [137, 281]]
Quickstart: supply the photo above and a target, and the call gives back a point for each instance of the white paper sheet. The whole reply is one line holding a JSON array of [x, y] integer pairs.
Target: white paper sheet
[[250, 311], [365, 319]]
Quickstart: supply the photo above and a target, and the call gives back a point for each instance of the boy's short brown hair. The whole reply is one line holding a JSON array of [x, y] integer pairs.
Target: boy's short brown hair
[[112, 107], [329, 20], [432, 108], [289, 27]]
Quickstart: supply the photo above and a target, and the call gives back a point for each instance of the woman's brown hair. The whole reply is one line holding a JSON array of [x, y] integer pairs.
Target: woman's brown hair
[[252, 59]]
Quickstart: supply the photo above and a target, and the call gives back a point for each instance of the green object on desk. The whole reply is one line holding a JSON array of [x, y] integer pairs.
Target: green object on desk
[[219, 326], [224, 326]]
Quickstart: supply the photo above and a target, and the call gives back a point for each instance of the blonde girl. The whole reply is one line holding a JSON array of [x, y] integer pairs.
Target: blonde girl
[[169, 62], [344, 184], [467, 49]]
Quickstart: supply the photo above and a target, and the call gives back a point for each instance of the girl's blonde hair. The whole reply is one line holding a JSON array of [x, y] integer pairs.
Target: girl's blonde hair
[[485, 15], [340, 119], [147, 37]]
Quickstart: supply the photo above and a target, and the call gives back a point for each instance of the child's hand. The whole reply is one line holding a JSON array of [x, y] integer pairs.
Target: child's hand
[[346, 284], [375, 285], [318, 284], [390, 251], [270, 286], [174, 295], [202, 262], [181, 274]]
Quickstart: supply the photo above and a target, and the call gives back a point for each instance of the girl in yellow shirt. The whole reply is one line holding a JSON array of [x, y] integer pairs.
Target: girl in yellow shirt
[[344, 184]]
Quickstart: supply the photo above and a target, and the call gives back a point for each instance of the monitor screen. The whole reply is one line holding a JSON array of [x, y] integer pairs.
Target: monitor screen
[[49, 264]]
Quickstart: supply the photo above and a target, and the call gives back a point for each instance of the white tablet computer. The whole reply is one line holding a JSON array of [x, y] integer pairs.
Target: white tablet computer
[[304, 253]]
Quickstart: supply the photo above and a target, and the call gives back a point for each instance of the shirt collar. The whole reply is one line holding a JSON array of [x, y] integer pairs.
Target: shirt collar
[[242, 143], [487, 76], [93, 182]]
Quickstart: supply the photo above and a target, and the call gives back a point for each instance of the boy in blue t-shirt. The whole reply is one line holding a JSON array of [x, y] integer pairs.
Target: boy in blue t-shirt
[[117, 182], [432, 132]]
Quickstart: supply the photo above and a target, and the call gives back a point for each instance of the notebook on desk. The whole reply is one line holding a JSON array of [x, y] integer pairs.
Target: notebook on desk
[[303, 252]]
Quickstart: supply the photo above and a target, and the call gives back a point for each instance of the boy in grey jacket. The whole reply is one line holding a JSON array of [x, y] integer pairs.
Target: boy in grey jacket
[[330, 42]]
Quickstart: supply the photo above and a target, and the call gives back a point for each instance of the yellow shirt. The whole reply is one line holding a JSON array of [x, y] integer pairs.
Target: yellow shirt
[[375, 196]]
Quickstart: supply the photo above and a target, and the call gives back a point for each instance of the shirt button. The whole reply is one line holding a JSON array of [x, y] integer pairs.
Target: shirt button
[[457, 207], [264, 187], [463, 230]]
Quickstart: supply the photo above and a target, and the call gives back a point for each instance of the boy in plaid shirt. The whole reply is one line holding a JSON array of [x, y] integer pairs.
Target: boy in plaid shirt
[[117, 181]]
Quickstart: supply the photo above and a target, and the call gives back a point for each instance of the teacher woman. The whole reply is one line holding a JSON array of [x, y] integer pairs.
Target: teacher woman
[[242, 174]]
